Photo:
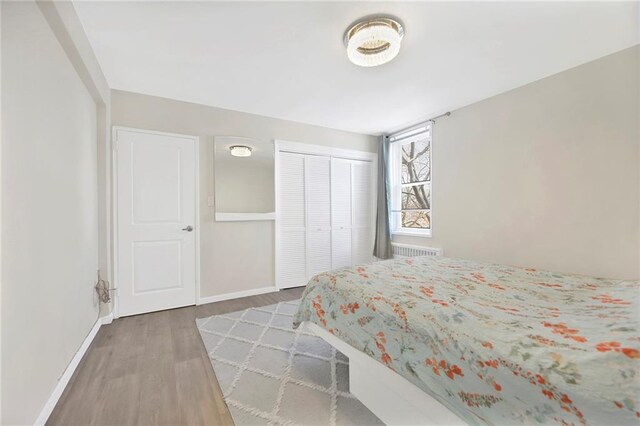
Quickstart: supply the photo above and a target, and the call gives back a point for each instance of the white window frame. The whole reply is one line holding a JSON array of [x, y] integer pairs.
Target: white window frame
[[396, 140]]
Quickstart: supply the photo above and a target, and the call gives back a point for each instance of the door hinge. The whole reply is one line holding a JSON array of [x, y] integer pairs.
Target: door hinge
[[115, 145]]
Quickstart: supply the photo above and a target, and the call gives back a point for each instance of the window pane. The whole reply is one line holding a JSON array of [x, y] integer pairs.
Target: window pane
[[416, 220], [416, 164], [416, 197]]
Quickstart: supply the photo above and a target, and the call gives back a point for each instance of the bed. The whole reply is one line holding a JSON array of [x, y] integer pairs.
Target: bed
[[491, 343]]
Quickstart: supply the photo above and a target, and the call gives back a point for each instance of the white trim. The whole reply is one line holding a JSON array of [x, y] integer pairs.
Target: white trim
[[114, 200], [71, 368], [276, 194], [329, 151], [244, 217], [391, 397], [114, 222], [107, 319], [236, 295], [410, 133], [425, 233], [150, 132], [306, 179], [197, 218]]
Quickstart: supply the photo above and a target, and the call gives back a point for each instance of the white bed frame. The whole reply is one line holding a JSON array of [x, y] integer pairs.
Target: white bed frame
[[391, 397]]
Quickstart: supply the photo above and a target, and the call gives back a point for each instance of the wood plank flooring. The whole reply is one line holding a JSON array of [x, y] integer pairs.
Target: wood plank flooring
[[152, 369]]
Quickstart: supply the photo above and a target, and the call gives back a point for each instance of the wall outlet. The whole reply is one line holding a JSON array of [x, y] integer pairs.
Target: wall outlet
[[210, 201]]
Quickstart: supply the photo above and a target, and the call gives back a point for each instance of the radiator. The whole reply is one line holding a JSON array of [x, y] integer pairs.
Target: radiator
[[406, 250]]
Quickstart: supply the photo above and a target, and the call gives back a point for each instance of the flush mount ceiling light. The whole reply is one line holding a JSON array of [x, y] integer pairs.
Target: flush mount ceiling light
[[373, 41], [240, 151]]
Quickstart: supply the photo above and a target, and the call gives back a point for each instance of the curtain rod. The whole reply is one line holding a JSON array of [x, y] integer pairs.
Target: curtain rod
[[398, 135], [446, 114]]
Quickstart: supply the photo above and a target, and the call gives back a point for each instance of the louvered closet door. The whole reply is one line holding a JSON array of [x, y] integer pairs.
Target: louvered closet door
[[318, 182], [340, 213], [362, 211], [292, 237]]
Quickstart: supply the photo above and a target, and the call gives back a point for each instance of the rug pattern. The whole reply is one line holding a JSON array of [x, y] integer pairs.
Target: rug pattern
[[273, 375]]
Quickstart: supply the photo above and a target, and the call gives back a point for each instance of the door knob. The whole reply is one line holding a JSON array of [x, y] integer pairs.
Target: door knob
[[188, 228]]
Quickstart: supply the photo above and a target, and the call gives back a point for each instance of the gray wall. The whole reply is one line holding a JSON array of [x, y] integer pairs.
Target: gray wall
[[244, 188], [545, 175], [235, 256], [49, 212]]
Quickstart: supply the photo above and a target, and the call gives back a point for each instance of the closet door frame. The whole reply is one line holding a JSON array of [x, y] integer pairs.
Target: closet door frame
[[320, 150]]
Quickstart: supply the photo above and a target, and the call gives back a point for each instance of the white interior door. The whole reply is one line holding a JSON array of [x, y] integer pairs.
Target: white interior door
[[340, 213], [318, 182], [292, 232], [156, 247]]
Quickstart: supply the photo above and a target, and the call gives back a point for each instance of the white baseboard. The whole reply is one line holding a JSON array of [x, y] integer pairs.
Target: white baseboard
[[236, 295], [107, 319], [71, 368]]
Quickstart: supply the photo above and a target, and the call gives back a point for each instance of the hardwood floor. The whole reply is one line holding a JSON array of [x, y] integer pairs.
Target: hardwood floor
[[152, 369]]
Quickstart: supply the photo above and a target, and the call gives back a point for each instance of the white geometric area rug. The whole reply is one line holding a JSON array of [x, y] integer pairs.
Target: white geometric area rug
[[271, 374]]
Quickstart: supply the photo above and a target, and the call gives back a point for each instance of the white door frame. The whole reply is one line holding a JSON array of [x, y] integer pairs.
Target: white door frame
[[327, 151], [114, 200]]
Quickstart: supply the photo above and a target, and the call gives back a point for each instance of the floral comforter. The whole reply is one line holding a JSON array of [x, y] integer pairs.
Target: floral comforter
[[494, 344]]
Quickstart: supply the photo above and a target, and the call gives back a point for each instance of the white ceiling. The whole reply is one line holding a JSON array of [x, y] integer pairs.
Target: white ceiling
[[286, 59]]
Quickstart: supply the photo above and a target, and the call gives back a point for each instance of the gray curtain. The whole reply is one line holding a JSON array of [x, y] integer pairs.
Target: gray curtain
[[382, 246]]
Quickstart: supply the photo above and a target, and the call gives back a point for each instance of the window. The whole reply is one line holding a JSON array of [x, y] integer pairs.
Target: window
[[410, 170]]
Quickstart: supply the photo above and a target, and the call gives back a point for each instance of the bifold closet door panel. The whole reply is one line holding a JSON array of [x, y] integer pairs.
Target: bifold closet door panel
[[341, 248], [340, 213], [362, 197], [292, 270], [319, 252], [362, 245], [292, 231], [362, 201], [291, 194], [341, 193], [318, 187], [318, 181]]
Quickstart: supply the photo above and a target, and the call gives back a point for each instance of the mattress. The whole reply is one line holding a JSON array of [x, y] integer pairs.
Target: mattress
[[494, 344]]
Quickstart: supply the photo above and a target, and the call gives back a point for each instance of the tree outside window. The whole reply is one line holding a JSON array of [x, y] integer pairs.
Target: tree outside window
[[412, 183]]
